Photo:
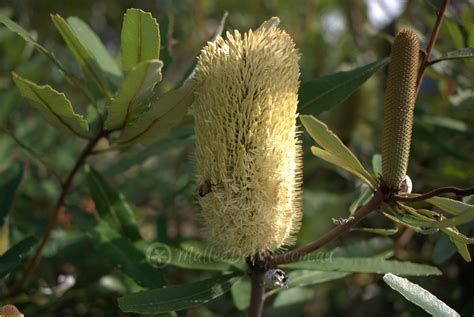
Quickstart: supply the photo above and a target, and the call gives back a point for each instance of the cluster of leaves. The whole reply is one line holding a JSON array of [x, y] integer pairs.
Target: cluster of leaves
[[124, 109]]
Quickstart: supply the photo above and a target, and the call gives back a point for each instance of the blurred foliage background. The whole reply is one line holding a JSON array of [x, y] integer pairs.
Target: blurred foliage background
[[158, 180]]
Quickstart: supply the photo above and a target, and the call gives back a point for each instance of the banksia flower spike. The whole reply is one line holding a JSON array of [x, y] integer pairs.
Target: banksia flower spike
[[247, 153], [10, 311], [399, 105]]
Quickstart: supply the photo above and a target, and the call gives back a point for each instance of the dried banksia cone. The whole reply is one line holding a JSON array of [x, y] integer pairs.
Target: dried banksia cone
[[247, 152], [399, 107], [10, 311]]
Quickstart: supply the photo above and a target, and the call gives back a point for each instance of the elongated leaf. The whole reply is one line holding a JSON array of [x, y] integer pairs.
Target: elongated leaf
[[380, 231], [462, 249], [97, 50], [9, 181], [131, 262], [79, 49], [15, 255], [112, 205], [135, 89], [362, 195], [140, 38], [375, 247], [241, 293], [334, 146], [291, 302], [179, 297], [466, 52], [419, 296], [164, 114], [323, 93], [463, 218], [160, 255], [54, 106], [451, 206], [365, 265]]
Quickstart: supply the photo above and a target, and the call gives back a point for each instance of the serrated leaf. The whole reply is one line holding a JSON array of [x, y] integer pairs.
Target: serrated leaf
[[454, 207], [135, 89], [419, 296], [98, 51], [466, 52], [179, 297], [166, 112], [321, 94], [15, 255], [140, 39], [240, 292], [161, 254], [54, 106], [84, 57], [112, 205], [365, 265], [10, 179], [334, 149]]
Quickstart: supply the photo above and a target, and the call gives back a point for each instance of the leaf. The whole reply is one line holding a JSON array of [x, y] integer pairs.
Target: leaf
[[179, 297], [380, 231], [131, 262], [10, 179], [97, 50], [378, 246], [161, 254], [291, 302], [54, 106], [140, 40], [240, 292], [362, 195], [79, 49], [112, 205], [135, 89], [377, 164], [451, 206], [321, 94], [15, 255], [334, 149], [463, 218], [165, 113], [365, 265], [419, 296], [466, 52]]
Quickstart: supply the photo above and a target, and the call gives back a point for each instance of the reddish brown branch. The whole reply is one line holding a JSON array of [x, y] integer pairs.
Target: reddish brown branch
[[53, 219], [436, 192], [257, 292], [434, 36]]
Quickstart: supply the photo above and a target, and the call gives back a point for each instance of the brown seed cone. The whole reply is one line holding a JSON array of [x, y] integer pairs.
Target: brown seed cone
[[399, 105]]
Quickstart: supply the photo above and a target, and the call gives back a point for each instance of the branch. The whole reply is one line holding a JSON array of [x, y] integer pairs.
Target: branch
[[436, 192], [257, 292], [333, 234], [434, 37], [53, 219]]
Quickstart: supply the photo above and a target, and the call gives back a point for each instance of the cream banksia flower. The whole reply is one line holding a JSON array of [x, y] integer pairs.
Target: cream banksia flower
[[399, 105], [247, 152]]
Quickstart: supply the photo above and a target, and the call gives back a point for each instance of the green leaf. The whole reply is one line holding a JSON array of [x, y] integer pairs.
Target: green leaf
[[135, 89], [463, 218], [240, 292], [79, 49], [160, 254], [378, 246], [10, 179], [365, 265], [333, 150], [179, 297], [380, 231], [93, 44], [377, 164], [54, 106], [454, 207], [462, 249], [112, 205], [362, 195], [131, 262], [466, 52], [321, 94], [291, 302], [165, 113], [419, 296], [15, 255], [140, 38]]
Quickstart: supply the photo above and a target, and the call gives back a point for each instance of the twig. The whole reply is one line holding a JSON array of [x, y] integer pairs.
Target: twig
[[436, 192], [434, 37], [53, 219], [257, 292], [333, 234]]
